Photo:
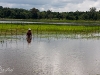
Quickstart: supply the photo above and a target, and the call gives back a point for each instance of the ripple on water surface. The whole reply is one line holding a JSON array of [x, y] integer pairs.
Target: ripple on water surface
[[49, 56]]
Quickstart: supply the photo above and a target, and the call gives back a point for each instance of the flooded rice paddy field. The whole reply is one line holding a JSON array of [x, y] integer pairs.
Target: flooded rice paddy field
[[57, 23], [52, 55]]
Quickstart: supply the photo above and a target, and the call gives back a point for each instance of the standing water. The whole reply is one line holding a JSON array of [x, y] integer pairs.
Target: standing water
[[49, 56]]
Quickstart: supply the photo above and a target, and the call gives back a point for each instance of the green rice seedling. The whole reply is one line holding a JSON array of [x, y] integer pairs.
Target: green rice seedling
[[15, 29]]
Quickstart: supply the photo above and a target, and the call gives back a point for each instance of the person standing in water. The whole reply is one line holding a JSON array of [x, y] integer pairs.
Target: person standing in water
[[29, 35]]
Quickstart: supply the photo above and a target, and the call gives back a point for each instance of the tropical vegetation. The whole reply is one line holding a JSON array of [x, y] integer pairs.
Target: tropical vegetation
[[34, 13]]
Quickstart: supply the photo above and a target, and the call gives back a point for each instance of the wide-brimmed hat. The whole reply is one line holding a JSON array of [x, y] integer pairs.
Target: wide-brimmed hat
[[29, 29]]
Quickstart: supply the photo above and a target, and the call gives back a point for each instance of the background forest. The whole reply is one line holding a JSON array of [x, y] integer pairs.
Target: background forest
[[19, 13]]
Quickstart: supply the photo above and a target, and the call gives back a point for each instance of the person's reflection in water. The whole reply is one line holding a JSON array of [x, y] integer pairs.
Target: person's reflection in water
[[29, 36]]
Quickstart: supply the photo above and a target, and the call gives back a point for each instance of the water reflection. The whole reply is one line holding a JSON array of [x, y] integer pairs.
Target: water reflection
[[29, 40], [50, 56]]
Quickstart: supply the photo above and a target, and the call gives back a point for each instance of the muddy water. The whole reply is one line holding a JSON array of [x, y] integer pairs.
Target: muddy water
[[49, 56]]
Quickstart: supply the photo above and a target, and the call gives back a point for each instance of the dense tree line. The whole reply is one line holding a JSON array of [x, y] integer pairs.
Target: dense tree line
[[16, 13]]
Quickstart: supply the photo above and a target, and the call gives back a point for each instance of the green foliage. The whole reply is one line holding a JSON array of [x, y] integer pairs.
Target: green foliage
[[14, 29], [15, 13], [93, 9]]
